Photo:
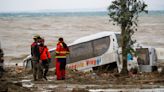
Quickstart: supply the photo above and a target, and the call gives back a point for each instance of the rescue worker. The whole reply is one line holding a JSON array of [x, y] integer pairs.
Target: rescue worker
[[61, 51], [45, 58], [35, 56]]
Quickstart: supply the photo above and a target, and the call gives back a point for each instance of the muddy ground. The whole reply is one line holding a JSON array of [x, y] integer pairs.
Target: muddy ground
[[76, 81]]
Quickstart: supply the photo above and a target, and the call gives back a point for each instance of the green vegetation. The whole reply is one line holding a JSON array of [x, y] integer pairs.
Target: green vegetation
[[125, 13]]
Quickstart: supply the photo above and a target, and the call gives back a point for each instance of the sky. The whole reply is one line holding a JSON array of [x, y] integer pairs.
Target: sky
[[72, 5]]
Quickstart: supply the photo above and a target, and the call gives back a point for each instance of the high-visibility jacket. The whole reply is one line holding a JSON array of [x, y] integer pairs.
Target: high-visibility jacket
[[44, 53], [61, 51]]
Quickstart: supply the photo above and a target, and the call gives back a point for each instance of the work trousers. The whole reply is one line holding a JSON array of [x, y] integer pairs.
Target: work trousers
[[45, 67], [60, 68], [37, 71]]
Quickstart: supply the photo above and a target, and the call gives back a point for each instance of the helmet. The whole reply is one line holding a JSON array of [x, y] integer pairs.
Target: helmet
[[36, 37]]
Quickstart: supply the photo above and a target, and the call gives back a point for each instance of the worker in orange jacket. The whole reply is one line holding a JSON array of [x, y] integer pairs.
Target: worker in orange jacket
[[45, 59], [61, 51]]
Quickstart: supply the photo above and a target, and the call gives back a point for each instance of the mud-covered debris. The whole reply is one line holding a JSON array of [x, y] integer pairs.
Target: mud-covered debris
[[12, 87], [79, 90]]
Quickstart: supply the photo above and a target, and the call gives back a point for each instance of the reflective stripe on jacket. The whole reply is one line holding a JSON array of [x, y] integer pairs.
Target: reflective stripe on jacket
[[61, 52]]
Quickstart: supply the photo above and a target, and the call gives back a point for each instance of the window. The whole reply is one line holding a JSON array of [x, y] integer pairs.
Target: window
[[118, 37], [88, 49], [80, 51], [101, 46], [143, 56]]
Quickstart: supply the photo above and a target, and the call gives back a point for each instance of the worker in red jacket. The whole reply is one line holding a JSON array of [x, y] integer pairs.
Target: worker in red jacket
[[61, 51], [45, 59]]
